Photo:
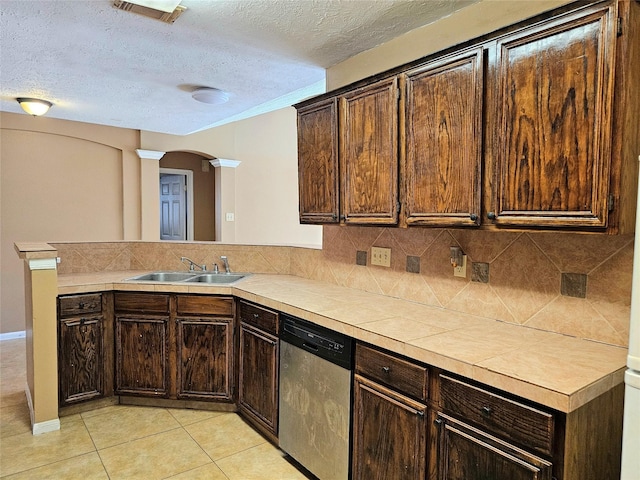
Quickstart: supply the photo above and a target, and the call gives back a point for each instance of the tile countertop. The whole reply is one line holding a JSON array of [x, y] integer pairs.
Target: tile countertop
[[555, 370]]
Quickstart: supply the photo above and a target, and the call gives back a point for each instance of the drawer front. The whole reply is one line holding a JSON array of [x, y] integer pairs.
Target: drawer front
[[504, 417], [259, 317], [141, 302], [76, 305], [397, 373], [205, 305]]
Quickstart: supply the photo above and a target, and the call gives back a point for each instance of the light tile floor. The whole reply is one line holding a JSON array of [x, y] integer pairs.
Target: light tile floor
[[127, 442]]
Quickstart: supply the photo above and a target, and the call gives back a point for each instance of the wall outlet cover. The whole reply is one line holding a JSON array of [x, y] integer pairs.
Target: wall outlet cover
[[461, 270], [381, 256]]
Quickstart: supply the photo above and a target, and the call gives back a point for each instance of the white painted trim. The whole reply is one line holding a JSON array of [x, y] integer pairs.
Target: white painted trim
[[224, 162], [149, 154], [41, 427], [46, 427], [42, 264], [190, 204], [12, 335]]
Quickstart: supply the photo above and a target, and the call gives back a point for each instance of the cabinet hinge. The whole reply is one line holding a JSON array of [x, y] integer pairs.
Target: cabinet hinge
[[619, 26], [611, 202]]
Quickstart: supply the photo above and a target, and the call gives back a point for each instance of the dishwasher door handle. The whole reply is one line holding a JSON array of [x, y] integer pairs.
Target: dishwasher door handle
[[308, 346]]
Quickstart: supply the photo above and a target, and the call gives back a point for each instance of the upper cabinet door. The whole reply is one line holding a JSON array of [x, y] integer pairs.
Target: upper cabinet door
[[552, 144], [369, 154], [443, 141], [318, 175]]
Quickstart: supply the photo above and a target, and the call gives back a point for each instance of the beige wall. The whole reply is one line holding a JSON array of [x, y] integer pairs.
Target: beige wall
[[476, 20], [61, 180], [266, 188]]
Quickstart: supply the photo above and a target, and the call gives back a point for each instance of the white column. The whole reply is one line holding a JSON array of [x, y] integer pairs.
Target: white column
[[150, 194], [225, 199]]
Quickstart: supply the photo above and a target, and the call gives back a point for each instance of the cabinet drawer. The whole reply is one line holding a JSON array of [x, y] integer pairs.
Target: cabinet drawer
[[504, 417], [75, 305], [205, 305], [259, 317], [141, 302], [397, 373]]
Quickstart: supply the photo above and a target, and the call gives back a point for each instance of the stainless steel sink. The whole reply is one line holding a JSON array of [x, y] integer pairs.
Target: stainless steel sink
[[173, 277], [163, 277], [216, 278]]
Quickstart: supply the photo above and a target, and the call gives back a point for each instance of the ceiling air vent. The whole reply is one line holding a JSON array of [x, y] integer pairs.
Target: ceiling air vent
[[167, 12]]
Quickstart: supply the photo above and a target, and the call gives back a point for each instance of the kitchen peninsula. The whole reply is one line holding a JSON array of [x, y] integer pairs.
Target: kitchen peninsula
[[577, 381]]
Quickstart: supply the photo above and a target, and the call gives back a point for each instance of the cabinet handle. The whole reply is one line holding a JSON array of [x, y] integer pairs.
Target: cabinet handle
[[491, 215], [256, 315], [487, 410], [386, 369], [473, 217], [420, 413], [81, 305], [437, 422]]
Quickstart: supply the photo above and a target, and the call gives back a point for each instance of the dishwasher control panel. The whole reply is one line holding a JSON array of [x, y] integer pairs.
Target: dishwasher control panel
[[328, 344]]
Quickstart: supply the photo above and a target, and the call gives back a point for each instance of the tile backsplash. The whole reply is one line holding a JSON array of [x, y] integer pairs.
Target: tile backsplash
[[518, 276]]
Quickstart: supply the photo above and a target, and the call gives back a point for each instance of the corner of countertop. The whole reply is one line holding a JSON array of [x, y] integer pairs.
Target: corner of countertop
[[33, 250]]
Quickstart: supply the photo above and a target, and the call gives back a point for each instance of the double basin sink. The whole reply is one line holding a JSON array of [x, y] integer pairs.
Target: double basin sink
[[189, 277]]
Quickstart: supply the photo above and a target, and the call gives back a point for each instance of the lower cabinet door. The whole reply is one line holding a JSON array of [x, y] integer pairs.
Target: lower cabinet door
[[142, 366], [258, 377], [389, 434], [80, 359], [466, 453], [204, 358]]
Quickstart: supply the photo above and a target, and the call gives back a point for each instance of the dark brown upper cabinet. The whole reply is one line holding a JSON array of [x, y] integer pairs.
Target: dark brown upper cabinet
[[318, 174], [531, 127], [443, 141], [369, 154], [552, 142]]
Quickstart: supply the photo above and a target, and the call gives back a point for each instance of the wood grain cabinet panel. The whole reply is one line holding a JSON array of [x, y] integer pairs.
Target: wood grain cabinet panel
[[552, 144], [85, 347], [318, 173], [204, 348], [389, 434], [443, 141], [80, 358], [369, 154], [466, 453], [258, 379], [142, 364]]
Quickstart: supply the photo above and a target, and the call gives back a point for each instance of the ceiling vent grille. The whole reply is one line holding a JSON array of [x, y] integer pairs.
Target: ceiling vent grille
[[167, 17]]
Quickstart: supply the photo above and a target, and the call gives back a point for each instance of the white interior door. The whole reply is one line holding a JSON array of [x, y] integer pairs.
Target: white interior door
[[173, 211]]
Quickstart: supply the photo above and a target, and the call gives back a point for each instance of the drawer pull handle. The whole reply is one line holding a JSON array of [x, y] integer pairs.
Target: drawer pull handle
[[487, 410], [386, 369], [437, 422], [256, 315], [81, 305]]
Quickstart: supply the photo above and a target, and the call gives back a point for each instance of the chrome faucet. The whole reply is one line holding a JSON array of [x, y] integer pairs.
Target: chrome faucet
[[226, 263], [193, 264]]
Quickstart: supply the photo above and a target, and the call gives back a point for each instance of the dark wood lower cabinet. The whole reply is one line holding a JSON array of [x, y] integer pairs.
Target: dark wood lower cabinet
[[466, 453], [85, 348], [389, 434], [204, 348], [258, 378], [81, 359], [142, 364]]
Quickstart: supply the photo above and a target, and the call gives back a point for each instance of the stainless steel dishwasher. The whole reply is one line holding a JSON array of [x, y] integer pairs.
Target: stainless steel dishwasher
[[315, 397]]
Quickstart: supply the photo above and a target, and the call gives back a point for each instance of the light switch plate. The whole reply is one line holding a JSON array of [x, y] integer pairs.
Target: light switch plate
[[381, 256], [230, 217]]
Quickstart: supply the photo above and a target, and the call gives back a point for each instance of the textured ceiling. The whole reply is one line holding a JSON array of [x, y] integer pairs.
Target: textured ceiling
[[101, 65]]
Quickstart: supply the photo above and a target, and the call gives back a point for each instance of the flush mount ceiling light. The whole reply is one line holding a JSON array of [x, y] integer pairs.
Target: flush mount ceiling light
[[212, 96], [34, 106]]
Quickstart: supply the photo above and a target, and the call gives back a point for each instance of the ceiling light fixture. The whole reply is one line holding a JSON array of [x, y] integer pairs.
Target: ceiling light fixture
[[212, 96], [34, 106]]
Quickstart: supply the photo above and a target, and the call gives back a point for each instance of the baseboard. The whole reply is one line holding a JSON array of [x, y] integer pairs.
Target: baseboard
[[12, 335], [40, 427]]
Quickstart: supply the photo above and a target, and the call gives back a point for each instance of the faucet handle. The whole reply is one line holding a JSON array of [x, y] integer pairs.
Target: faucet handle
[[215, 268]]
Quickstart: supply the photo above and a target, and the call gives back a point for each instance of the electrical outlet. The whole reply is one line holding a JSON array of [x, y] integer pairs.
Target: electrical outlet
[[230, 217], [381, 256], [461, 270]]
